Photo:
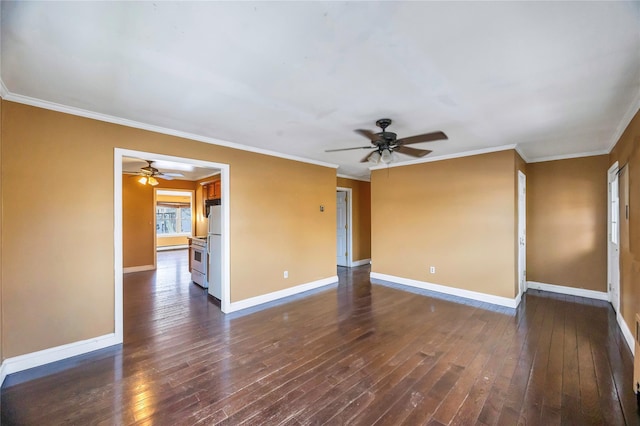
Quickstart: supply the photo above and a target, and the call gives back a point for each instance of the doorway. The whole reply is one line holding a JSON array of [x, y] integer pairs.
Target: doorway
[[119, 155], [613, 244], [522, 233], [343, 227]]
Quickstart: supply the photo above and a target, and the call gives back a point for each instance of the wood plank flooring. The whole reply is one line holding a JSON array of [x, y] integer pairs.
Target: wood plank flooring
[[356, 353]]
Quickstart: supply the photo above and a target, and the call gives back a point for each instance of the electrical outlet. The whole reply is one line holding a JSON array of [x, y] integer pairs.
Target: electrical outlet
[[432, 269], [286, 274]]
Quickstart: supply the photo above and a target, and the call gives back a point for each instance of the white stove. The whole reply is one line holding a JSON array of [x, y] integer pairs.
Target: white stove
[[199, 261]]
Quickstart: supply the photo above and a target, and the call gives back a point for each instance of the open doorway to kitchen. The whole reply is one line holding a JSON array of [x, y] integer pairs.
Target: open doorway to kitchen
[[170, 205]]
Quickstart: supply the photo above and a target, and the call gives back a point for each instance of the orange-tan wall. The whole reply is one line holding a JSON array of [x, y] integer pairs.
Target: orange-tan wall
[[361, 216], [456, 215], [567, 222], [138, 244], [275, 222], [627, 152]]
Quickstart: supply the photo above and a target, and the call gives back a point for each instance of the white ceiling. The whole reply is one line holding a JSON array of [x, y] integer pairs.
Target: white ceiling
[[555, 78], [188, 171]]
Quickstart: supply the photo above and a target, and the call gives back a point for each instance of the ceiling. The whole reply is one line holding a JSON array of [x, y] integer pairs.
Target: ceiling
[[296, 78], [190, 172]]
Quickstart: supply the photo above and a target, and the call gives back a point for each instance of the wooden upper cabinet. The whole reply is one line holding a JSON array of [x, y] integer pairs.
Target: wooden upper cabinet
[[212, 190]]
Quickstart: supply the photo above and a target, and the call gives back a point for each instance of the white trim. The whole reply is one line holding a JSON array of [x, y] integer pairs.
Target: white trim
[[27, 100], [573, 291], [270, 297], [518, 149], [140, 268], [612, 173], [626, 332], [569, 156], [362, 179], [169, 248], [624, 122], [361, 262], [46, 356], [522, 232], [382, 166], [467, 294], [4, 92], [349, 192]]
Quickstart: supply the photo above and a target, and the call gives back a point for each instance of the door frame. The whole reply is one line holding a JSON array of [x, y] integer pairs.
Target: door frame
[[612, 176], [225, 301], [349, 192], [522, 233]]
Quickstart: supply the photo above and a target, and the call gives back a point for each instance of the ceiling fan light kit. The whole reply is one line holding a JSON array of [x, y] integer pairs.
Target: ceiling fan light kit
[[386, 145]]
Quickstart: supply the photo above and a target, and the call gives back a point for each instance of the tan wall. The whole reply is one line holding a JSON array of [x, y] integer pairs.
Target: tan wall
[[275, 222], [172, 241], [627, 152], [138, 243], [456, 215], [361, 216], [567, 222]]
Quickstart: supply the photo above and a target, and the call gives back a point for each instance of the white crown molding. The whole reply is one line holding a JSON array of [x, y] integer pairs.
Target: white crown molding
[[4, 92], [445, 157], [569, 156], [270, 297], [158, 129], [573, 291], [522, 154], [340, 175], [624, 122], [459, 292]]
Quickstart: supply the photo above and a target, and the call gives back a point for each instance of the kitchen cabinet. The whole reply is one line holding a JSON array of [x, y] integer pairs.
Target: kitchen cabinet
[[212, 190]]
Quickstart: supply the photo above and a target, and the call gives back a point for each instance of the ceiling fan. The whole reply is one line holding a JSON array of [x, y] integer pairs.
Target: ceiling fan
[[385, 143], [148, 174]]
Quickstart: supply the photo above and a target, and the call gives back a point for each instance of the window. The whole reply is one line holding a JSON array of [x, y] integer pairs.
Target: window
[[173, 213]]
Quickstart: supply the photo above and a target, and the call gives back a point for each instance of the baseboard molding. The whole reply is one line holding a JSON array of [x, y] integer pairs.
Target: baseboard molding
[[270, 297], [361, 262], [581, 292], [467, 294], [626, 332], [138, 268], [46, 356], [169, 248]]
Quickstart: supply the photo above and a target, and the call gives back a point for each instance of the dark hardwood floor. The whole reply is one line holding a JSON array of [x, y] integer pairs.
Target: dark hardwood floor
[[356, 353]]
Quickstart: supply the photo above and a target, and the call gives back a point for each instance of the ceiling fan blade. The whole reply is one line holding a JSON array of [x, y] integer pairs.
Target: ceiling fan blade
[[366, 159], [349, 149], [131, 173], [414, 152], [427, 137], [368, 134]]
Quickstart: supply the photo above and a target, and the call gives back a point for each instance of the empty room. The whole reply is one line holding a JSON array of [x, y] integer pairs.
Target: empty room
[[289, 213]]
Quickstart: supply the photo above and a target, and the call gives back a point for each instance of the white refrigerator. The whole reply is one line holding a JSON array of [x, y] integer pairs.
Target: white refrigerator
[[214, 244]]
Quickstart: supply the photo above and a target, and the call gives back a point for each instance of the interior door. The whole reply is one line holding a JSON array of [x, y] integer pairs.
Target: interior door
[[522, 232], [613, 249], [341, 228]]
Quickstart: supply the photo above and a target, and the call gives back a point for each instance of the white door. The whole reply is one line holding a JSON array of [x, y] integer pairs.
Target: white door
[[341, 228], [522, 232], [613, 246]]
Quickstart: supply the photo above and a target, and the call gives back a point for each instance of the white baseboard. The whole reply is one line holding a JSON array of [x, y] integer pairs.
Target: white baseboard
[[626, 332], [46, 356], [270, 297], [138, 268], [467, 294], [361, 262], [169, 248], [573, 291]]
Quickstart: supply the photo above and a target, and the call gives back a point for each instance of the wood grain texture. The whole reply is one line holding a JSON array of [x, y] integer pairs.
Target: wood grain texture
[[360, 354]]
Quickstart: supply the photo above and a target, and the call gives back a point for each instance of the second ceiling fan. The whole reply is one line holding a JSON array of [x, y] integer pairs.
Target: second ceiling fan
[[385, 143]]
